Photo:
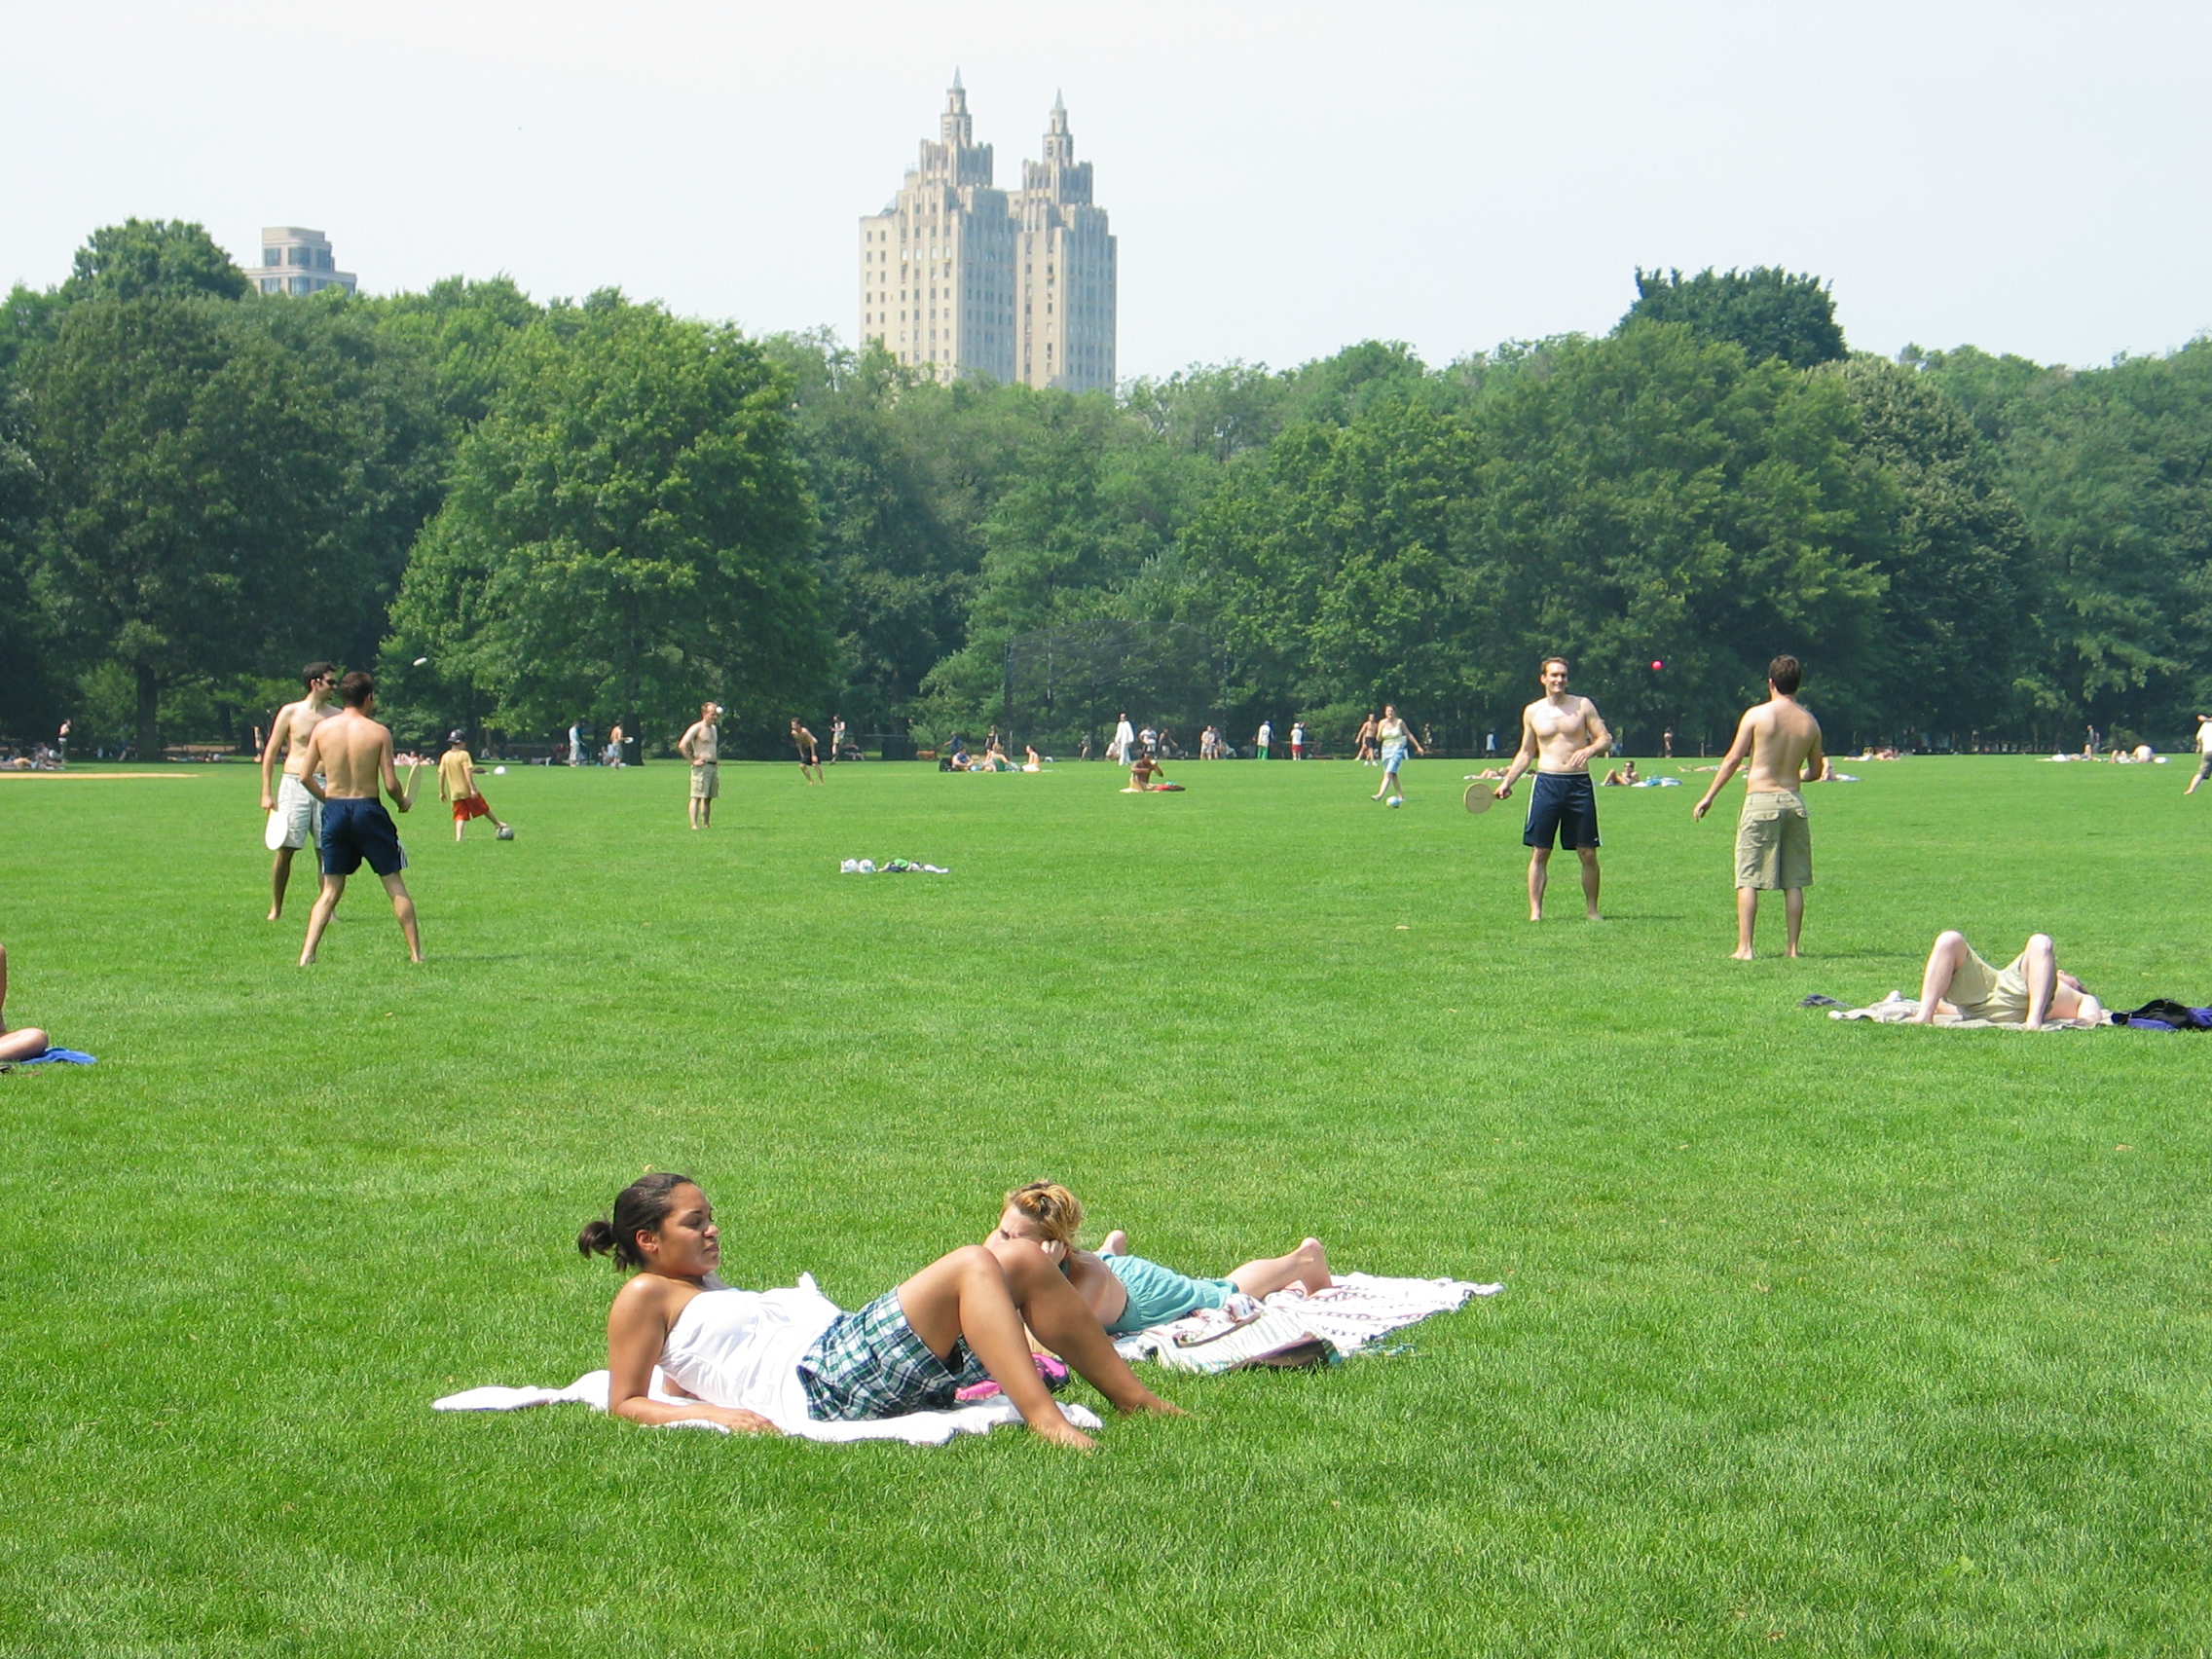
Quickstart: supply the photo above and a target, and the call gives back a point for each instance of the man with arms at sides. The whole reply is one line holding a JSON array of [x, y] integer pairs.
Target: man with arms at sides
[[457, 785], [1774, 838], [295, 818], [701, 745], [353, 754], [1560, 734]]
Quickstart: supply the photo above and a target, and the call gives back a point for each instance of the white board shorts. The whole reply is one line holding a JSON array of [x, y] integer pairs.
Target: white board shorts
[[297, 820]]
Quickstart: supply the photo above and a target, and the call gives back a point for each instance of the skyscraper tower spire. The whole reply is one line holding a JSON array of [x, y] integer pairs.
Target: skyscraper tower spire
[[957, 129]]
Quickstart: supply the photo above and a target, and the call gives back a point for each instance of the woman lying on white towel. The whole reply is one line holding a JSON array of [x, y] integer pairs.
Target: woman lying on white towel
[[1129, 1292], [746, 1356]]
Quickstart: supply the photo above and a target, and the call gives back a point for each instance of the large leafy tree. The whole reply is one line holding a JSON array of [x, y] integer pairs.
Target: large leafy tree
[[627, 533], [153, 259], [1766, 311], [1646, 497], [194, 475], [1954, 652], [2113, 471], [24, 676]]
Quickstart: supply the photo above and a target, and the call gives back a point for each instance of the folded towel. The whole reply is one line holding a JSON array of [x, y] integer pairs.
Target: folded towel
[[916, 1429], [71, 1057], [1350, 1316]]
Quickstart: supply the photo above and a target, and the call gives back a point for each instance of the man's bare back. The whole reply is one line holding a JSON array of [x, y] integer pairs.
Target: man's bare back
[[1785, 744], [354, 754]]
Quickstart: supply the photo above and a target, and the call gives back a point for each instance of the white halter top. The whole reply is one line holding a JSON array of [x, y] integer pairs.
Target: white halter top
[[741, 1347]]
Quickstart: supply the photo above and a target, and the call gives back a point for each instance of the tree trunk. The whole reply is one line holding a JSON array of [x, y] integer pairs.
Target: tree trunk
[[149, 715]]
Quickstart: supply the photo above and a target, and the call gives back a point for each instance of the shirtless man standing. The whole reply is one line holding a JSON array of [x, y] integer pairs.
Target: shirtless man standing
[[349, 755], [295, 820], [1566, 732], [1774, 838], [701, 745], [810, 757]]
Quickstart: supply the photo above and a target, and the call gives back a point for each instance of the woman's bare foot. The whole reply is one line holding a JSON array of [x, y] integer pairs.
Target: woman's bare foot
[[1058, 1432], [1314, 1263], [1742, 955], [1117, 1243]]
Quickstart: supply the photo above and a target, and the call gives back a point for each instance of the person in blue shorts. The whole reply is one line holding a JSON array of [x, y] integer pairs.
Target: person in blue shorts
[[1131, 1293], [1561, 734], [349, 755], [1396, 737]]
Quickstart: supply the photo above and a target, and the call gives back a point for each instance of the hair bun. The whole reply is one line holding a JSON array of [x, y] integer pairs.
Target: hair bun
[[597, 1239]]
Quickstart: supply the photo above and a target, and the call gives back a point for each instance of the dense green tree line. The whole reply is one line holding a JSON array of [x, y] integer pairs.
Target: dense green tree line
[[526, 514]]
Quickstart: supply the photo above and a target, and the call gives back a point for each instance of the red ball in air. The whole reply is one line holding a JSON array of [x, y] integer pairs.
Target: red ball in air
[[1657, 666]]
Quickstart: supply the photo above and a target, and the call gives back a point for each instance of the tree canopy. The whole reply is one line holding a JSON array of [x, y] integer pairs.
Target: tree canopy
[[598, 510]]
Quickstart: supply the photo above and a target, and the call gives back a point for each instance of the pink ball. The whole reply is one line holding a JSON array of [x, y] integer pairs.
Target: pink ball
[[1657, 666]]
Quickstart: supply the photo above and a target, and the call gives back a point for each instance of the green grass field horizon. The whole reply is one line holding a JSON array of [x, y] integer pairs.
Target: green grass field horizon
[[1817, 1338]]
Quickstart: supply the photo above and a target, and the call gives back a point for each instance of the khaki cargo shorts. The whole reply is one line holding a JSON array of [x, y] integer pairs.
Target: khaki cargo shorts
[[1999, 995], [706, 780], [1774, 841]]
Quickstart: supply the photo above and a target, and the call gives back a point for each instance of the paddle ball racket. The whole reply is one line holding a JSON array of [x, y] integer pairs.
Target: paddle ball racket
[[1480, 796]]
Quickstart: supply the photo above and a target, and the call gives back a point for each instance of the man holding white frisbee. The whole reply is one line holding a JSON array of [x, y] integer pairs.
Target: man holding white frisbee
[[295, 817], [1560, 735]]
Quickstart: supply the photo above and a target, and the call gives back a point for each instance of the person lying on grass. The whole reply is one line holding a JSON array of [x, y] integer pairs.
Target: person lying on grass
[[2028, 990], [1129, 1293], [24, 1045], [742, 1355]]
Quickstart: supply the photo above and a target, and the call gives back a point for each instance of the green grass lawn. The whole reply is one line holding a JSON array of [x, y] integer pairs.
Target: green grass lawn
[[1817, 1338]]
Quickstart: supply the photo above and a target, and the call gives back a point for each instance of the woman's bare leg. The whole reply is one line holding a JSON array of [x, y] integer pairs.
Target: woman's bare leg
[[966, 1295], [2042, 977], [1064, 1323], [1307, 1264], [1944, 959]]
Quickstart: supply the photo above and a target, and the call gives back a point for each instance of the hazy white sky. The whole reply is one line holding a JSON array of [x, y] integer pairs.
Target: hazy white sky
[[1284, 178]]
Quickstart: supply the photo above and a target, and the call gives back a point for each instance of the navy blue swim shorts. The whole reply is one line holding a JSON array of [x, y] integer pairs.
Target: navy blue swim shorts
[[1562, 803], [357, 829]]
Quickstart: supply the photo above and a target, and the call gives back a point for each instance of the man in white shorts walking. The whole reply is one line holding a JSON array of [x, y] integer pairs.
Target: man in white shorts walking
[[295, 817]]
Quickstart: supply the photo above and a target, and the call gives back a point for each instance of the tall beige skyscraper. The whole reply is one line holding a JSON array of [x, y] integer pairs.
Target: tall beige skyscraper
[[960, 277]]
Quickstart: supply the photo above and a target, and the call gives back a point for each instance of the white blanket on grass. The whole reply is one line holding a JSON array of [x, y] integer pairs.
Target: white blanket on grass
[[1896, 1008], [1350, 1315], [916, 1429]]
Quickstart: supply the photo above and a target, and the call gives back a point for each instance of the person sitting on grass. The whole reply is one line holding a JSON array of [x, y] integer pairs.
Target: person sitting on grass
[[1129, 1292], [1145, 774], [25, 1045], [2027, 991], [1033, 761], [742, 1356], [1623, 775]]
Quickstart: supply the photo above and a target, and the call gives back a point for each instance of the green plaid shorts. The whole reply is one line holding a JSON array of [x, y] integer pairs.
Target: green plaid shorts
[[871, 1364]]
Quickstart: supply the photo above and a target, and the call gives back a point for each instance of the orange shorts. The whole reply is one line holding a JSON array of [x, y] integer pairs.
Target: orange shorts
[[466, 807]]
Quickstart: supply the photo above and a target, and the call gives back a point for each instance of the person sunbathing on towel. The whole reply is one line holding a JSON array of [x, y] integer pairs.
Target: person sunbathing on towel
[[1129, 1292], [2028, 990], [1145, 774], [745, 1357], [24, 1045]]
